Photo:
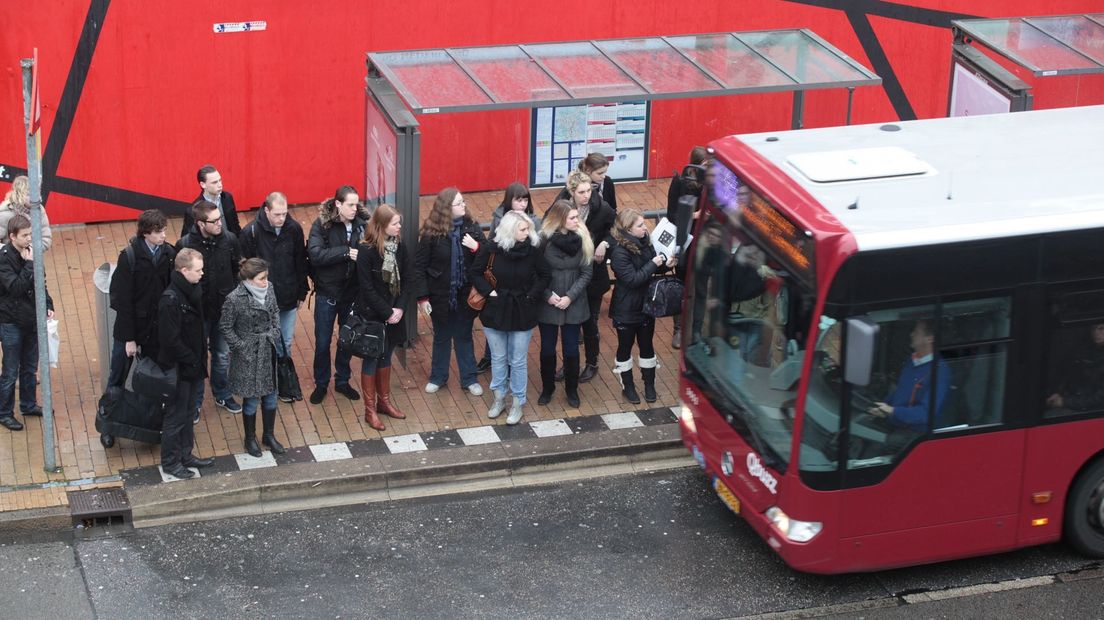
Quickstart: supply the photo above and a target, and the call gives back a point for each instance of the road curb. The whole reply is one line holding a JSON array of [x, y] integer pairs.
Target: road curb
[[31, 522], [367, 479]]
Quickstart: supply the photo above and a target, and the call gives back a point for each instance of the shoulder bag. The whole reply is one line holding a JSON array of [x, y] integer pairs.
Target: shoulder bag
[[147, 378], [362, 338], [475, 299], [664, 297]]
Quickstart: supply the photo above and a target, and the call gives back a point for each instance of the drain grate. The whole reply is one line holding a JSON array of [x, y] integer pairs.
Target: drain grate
[[99, 508]]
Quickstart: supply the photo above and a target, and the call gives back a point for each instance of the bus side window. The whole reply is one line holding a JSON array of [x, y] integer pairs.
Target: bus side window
[[1075, 356], [973, 339]]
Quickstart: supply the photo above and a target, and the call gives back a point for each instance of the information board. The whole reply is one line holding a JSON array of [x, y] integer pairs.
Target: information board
[[563, 136]]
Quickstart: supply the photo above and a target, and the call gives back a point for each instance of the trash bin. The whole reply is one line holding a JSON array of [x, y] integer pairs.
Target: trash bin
[[105, 318]]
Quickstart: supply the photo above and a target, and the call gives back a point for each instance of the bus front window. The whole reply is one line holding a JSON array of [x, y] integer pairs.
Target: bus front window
[[744, 351]]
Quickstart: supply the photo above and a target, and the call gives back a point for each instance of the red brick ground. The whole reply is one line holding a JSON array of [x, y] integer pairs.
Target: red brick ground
[[79, 250]]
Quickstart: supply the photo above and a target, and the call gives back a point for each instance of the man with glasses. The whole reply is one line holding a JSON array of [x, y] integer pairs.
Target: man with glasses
[[221, 256], [210, 189], [278, 239]]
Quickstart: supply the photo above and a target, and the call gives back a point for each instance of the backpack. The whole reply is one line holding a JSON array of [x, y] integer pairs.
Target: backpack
[[664, 297]]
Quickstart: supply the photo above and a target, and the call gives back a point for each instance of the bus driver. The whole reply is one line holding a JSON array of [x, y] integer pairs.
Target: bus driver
[[907, 405]]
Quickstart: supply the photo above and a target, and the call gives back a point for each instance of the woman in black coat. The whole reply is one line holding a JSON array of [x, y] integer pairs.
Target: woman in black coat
[[447, 244], [520, 275], [382, 278], [634, 262]]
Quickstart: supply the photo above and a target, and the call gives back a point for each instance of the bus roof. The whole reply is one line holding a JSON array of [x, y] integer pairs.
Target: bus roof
[[950, 179]]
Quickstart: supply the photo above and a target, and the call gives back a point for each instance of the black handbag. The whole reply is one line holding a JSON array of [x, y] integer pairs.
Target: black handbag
[[147, 378], [664, 297], [362, 338]]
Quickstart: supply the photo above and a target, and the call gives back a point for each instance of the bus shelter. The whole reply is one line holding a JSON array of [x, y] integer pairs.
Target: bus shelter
[[404, 84], [1035, 47]]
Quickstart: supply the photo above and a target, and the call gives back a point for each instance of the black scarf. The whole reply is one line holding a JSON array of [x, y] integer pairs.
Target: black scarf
[[567, 242], [193, 293]]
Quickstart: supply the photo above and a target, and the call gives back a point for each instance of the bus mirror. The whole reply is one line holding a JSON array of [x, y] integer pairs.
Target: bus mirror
[[862, 334]]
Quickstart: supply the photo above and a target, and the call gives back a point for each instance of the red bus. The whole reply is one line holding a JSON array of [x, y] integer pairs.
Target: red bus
[[893, 338]]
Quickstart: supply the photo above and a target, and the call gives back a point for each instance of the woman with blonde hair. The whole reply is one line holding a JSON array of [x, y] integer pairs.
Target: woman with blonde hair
[[569, 252], [518, 276], [447, 243], [384, 282], [18, 202], [634, 263]]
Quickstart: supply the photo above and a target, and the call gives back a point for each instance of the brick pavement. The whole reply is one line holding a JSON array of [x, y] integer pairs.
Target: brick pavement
[[79, 250]]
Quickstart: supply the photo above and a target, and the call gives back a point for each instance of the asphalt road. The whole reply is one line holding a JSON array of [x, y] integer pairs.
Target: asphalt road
[[656, 546]]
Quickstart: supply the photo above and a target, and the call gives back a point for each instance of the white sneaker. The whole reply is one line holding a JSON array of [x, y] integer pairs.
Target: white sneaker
[[431, 388], [515, 413], [498, 406], [475, 389]]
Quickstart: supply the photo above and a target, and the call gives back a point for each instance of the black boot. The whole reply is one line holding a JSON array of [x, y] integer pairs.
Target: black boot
[[548, 382], [648, 375], [268, 434], [591, 346], [571, 381], [624, 373], [249, 425]]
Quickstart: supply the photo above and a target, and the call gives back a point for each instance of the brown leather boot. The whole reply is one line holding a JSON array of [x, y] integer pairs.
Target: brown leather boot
[[368, 387], [383, 394]]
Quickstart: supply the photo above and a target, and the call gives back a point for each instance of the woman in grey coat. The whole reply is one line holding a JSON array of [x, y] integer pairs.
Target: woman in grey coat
[[250, 324], [569, 251]]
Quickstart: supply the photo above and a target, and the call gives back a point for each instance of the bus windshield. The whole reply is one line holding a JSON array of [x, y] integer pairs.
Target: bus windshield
[[750, 306]]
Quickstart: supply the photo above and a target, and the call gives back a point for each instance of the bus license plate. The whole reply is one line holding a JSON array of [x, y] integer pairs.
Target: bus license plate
[[726, 496]]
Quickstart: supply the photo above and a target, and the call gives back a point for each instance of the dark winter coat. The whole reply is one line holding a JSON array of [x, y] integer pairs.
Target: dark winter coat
[[286, 255], [632, 265], [563, 253], [252, 333], [17, 297], [333, 273], [599, 221], [136, 292], [374, 300], [433, 264], [230, 221], [521, 275], [221, 256], [180, 329]]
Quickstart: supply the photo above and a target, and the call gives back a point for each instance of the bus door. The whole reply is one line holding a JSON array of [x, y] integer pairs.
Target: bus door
[[928, 469]]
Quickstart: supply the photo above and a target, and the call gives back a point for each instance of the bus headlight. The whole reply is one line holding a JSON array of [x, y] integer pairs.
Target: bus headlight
[[687, 418], [797, 531]]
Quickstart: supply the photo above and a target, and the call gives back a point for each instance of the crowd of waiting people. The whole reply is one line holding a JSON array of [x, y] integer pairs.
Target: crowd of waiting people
[[221, 304]]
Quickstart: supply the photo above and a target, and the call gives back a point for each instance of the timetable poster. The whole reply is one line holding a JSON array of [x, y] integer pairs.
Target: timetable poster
[[562, 136]]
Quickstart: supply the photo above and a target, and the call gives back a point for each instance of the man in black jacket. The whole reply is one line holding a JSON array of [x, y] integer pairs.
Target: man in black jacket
[[183, 345], [332, 248], [221, 256], [18, 329], [140, 276], [278, 239], [210, 189]]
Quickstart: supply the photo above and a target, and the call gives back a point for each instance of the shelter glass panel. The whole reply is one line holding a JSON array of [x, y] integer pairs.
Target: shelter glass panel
[[509, 73], [1023, 40], [433, 79], [730, 60], [584, 70], [1076, 31], [804, 59], [657, 65]]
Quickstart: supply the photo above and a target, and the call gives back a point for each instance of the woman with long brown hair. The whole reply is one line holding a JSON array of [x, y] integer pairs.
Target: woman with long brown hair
[[447, 243], [382, 273]]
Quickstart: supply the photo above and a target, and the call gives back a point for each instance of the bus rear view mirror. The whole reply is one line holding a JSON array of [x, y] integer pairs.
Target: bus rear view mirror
[[862, 336]]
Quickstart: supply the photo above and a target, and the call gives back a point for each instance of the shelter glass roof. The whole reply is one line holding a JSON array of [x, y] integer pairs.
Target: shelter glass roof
[[1056, 45], [579, 72]]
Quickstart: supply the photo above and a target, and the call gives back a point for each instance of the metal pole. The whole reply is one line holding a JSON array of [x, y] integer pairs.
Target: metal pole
[[850, 99], [34, 174], [797, 117]]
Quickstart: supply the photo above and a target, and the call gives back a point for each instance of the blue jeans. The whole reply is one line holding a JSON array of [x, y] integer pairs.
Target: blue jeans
[[327, 311], [509, 350], [219, 352], [249, 405], [287, 331], [452, 329], [549, 334], [20, 361]]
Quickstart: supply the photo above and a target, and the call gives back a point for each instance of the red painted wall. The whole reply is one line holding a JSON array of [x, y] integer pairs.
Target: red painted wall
[[284, 108]]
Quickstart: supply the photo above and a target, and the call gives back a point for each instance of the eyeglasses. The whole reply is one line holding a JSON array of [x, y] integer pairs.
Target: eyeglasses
[[214, 221], [462, 203]]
